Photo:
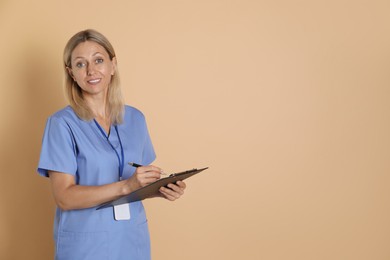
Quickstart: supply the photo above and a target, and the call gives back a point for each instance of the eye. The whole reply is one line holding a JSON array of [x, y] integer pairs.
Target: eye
[[99, 60], [80, 64]]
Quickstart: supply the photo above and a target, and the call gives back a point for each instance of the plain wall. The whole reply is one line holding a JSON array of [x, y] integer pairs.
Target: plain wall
[[287, 102]]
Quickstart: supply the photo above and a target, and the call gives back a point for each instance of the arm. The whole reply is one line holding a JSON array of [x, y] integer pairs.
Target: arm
[[68, 195]]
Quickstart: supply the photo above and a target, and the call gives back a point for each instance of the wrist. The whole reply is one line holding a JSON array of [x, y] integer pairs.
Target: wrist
[[124, 188], [128, 186]]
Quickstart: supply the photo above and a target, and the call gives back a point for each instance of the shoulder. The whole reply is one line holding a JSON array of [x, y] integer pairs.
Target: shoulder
[[64, 114], [132, 113], [65, 117]]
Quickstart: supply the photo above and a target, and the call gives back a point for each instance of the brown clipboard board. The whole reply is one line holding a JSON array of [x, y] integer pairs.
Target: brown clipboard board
[[151, 189]]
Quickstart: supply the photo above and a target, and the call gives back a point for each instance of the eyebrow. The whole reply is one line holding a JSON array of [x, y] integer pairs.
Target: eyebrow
[[79, 57]]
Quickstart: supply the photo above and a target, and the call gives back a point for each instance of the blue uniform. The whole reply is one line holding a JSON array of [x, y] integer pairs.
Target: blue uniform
[[77, 147]]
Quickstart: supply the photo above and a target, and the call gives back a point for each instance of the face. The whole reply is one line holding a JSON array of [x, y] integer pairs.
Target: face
[[92, 68]]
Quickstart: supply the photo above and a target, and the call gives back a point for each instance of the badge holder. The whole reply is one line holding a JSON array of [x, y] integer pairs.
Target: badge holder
[[122, 212]]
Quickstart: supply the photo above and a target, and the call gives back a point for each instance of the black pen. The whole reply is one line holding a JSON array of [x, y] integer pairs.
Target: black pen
[[136, 165]]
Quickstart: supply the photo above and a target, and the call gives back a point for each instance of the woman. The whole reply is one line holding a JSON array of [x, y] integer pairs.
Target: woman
[[85, 152]]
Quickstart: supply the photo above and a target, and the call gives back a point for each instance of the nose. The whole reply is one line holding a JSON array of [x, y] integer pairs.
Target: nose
[[90, 69]]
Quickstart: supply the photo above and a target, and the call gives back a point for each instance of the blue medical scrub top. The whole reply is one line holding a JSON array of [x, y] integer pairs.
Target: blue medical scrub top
[[79, 148]]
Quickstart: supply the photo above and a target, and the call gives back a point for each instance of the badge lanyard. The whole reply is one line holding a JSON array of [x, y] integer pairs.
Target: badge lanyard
[[121, 159], [121, 212]]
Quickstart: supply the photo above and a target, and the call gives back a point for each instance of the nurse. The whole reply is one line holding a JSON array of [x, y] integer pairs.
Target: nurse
[[85, 152]]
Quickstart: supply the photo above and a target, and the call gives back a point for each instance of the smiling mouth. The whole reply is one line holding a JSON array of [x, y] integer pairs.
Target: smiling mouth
[[94, 81]]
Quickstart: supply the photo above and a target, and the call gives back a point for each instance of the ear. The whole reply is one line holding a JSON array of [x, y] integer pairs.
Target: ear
[[70, 73], [114, 66]]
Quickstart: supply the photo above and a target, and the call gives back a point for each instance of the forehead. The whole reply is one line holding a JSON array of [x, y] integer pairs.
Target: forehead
[[87, 49]]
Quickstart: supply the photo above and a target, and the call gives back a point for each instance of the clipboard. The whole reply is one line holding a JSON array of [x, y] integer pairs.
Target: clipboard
[[151, 189]]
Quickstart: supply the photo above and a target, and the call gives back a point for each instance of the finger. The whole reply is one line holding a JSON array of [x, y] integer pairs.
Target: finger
[[149, 171], [169, 194], [144, 169], [152, 168], [148, 177], [181, 184], [151, 175], [176, 188]]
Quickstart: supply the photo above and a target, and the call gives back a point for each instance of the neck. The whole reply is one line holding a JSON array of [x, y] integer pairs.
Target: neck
[[101, 115], [98, 106]]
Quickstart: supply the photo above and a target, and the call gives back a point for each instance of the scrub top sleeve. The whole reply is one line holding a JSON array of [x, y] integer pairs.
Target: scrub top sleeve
[[148, 154], [58, 152]]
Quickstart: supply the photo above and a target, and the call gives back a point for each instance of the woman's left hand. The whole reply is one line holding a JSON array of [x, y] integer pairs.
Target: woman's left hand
[[174, 191]]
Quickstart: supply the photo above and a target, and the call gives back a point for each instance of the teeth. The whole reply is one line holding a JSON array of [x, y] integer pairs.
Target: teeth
[[94, 81]]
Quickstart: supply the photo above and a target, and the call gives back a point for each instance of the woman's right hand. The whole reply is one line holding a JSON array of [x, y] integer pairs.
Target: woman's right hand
[[143, 176]]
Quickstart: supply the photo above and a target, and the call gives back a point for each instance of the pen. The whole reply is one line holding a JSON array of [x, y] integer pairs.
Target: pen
[[136, 165]]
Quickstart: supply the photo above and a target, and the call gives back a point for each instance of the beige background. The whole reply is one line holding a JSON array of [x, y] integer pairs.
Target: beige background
[[287, 102]]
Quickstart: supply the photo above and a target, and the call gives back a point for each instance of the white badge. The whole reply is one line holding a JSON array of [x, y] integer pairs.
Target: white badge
[[122, 212]]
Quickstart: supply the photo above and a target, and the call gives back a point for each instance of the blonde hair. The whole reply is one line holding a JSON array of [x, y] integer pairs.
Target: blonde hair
[[115, 104]]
